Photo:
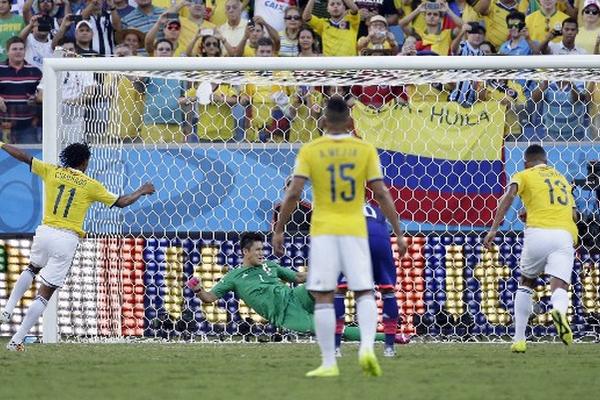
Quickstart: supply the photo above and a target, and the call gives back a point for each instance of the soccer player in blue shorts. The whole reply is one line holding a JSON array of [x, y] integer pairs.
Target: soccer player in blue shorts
[[384, 275]]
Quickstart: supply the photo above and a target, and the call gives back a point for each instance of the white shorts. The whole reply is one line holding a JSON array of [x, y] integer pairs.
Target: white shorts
[[53, 251], [329, 255], [547, 251]]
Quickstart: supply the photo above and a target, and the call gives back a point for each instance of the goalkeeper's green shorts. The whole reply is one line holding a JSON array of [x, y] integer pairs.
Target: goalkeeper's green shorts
[[299, 314]]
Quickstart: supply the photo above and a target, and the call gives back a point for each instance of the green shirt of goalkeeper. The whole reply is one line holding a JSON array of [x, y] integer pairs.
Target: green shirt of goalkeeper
[[262, 285]]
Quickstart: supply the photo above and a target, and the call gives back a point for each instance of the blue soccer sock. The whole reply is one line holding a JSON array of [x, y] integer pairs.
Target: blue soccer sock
[[340, 312], [390, 318]]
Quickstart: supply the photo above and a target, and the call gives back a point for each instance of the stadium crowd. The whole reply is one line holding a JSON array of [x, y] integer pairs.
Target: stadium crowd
[[166, 110]]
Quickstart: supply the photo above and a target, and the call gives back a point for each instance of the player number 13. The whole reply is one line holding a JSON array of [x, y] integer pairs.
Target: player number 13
[[341, 173], [561, 200]]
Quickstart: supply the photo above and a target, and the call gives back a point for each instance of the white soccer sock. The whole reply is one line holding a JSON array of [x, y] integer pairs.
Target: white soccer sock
[[560, 300], [22, 285], [36, 309], [325, 332], [366, 310], [523, 308]]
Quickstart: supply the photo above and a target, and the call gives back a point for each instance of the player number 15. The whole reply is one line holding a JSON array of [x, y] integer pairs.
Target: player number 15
[[341, 173]]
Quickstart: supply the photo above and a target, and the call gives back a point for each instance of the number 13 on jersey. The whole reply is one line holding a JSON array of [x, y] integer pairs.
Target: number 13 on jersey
[[342, 183]]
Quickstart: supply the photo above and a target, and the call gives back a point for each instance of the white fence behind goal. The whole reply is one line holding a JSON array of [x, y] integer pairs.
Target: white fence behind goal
[[220, 167]]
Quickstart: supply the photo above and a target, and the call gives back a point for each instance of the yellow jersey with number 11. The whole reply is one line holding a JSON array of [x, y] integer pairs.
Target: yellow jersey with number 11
[[68, 194], [547, 197], [339, 166]]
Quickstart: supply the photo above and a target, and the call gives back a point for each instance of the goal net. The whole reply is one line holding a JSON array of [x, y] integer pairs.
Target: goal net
[[218, 138]]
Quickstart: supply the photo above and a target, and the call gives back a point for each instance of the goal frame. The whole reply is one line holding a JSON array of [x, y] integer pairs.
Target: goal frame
[[54, 66]]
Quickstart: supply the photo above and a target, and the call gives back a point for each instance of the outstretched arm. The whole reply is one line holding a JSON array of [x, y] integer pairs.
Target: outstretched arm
[[505, 203], [128, 199], [196, 286], [16, 153], [288, 205]]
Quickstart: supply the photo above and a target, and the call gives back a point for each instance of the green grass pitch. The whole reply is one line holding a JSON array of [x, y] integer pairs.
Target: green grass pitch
[[276, 371]]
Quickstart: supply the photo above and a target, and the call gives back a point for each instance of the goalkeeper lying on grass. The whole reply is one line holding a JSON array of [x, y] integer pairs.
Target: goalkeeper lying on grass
[[260, 284]]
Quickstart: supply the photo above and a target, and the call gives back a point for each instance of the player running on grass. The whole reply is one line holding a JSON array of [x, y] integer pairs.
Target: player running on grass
[[68, 194], [549, 238], [259, 283], [340, 167]]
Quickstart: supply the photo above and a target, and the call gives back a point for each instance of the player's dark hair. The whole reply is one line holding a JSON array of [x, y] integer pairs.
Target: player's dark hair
[[247, 239], [535, 152], [336, 110], [515, 15], [571, 20], [264, 41], [75, 154]]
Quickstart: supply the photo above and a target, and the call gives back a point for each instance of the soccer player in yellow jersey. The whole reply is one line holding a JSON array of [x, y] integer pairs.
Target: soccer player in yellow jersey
[[340, 166], [68, 194], [549, 240]]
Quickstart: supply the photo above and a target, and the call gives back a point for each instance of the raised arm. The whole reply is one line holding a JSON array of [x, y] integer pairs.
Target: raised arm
[[151, 35], [128, 199], [64, 26], [351, 6], [16, 153], [28, 28], [273, 34], [307, 13], [384, 199], [27, 11], [406, 21], [505, 203]]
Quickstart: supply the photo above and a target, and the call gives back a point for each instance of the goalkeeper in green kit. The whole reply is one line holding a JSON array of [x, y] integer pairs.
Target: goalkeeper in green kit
[[261, 285]]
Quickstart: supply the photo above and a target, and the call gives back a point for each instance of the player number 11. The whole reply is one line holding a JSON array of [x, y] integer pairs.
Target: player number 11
[[61, 190], [341, 173]]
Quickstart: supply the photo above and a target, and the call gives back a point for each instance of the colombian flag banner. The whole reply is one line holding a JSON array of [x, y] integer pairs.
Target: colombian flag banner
[[442, 162]]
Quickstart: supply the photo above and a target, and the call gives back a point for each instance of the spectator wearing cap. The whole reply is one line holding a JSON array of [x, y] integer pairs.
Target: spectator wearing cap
[[367, 9], [494, 14], [134, 39], [10, 25], [83, 36], [543, 21], [566, 35], [18, 91], [37, 42], [434, 36], [378, 38], [104, 23], [467, 43], [519, 43], [338, 33], [171, 30], [143, 17], [589, 30]]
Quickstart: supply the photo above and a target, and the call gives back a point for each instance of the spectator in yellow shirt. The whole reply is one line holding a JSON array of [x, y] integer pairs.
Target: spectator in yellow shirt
[[544, 20], [171, 29], [433, 37], [379, 37], [590, 28], [249, 43], [338, 33]]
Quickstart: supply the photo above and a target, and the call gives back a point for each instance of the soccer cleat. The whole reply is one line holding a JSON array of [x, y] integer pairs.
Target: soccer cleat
[[12, 346], [324, 372], [519, 347], [338, 352], [4, 317], [389, 351], [563, 330], [369, 364]]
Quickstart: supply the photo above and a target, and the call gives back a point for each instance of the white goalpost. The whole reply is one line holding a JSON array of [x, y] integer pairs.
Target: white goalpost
[[446, 162]]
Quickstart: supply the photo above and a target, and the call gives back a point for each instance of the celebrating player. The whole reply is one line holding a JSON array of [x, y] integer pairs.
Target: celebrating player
[[259, 284], [339, 166], [384, 274], [548, 243], [68, 194]]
